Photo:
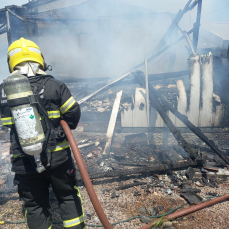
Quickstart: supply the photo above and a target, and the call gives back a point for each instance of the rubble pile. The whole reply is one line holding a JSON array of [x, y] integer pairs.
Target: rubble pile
[[100, 106]]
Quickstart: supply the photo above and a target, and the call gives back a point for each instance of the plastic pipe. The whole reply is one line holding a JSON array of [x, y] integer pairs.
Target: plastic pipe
[[191, 209], [85, 176]]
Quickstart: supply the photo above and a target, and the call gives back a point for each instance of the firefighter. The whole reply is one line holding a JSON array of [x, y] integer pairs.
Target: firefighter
[[25, 58]]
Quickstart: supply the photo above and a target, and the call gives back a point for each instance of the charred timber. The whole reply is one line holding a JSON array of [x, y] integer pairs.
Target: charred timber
[[160, 109], [130, 185], [173, 25], [147, 169], [184, 119], [155, 77]]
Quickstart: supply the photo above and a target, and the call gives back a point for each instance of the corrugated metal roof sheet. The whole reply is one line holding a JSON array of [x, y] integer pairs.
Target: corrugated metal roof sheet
[[219, 28], [203, 44], [92, 9]]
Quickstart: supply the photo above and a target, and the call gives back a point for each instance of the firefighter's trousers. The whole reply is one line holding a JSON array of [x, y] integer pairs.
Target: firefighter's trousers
[[34, 190]]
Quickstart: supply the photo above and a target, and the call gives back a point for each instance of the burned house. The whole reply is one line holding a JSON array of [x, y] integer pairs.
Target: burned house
[[107, 52], [153, 96]]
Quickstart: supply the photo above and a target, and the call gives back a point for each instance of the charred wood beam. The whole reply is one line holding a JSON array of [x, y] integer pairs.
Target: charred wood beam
[[173, 25], [169, 75], [197, 26], [17, 16], [147, 169], [151, 77], [22, 19], [162, 112], [103, 88], [2, 31], [35, 18], [2, 26], [139, 164], [157, 77], [191, 7], [130, 185], [187, 39], [195, 190], [27, 26], [8, 29], [185, 120]]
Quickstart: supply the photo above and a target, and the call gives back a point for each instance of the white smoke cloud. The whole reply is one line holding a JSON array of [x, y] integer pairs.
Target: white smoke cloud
[[116, 37]]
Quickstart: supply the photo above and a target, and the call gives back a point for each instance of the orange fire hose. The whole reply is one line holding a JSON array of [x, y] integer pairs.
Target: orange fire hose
[[191, 209], [85, 176]]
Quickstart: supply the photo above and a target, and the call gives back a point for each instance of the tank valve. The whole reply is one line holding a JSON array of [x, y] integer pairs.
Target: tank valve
[[40, 167]]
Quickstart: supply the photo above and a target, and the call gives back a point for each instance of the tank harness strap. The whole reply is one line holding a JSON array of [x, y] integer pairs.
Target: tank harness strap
[[31, 99], [37, 88]]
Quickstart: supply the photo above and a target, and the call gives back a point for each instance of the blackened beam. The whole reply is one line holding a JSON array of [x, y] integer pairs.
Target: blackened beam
[[2, 31], [22, 19], [130, 185], [187, 39], [33, 18], [17, 16], [193, 5], [197, 26], [102, 89], [139, 76], [157, 77], [27, 26], [2, 26], [173, 25], [152, 77], [167, 75], [114, 83], [155, 168], [8, 29], [185, 120]]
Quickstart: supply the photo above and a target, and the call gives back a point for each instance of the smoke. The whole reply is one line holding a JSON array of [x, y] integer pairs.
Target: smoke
[[107, 39]]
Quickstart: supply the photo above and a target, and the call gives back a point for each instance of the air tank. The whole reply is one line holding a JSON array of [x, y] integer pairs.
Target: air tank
[[26, 118]]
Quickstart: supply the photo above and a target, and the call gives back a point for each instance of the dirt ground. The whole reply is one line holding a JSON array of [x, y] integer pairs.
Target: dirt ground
[[126, 204]]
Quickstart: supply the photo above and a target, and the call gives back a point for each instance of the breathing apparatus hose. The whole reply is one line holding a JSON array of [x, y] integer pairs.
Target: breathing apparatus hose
[[85, 176]]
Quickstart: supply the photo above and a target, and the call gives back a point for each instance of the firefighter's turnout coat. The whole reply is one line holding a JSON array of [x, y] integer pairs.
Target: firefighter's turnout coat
[[33, 187], [59, 104]]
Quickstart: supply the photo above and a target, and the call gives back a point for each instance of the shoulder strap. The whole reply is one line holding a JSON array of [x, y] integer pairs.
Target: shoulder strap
[[37, 87]]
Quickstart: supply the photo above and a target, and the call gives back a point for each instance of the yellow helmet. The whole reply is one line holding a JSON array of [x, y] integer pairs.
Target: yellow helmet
[[24, 50]]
